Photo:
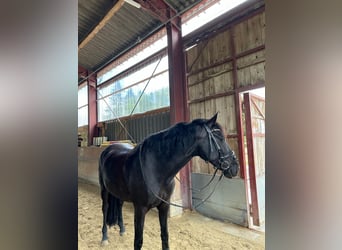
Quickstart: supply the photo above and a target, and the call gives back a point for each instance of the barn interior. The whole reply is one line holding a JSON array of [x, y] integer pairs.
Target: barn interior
[[146, 65]]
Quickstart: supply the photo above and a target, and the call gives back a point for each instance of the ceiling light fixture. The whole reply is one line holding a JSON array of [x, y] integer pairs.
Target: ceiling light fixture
[[133, 3]]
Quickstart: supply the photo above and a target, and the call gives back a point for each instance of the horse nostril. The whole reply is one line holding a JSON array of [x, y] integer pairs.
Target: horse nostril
[[235, 170]]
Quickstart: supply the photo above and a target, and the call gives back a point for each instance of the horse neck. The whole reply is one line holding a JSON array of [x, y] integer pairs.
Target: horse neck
[[175, 160]]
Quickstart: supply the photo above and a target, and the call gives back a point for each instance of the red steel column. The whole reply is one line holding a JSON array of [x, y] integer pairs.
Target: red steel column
[[238, 110], [92, 109], [178, 94], [251, 160], [178, 89]]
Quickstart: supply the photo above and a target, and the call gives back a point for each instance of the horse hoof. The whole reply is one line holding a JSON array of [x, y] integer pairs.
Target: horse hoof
[[104, 243], [122, 230]]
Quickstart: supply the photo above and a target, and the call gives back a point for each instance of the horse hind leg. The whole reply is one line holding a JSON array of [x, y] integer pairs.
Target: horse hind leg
[[120, 219], [104, 196]]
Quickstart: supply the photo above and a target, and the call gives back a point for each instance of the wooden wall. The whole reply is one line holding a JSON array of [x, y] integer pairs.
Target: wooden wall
[[248, 36], [219, 69]]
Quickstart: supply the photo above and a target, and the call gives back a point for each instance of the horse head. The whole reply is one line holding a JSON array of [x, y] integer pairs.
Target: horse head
[[214, 148]]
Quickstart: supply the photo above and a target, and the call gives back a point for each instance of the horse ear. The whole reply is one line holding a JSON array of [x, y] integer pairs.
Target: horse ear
[[212, 120]]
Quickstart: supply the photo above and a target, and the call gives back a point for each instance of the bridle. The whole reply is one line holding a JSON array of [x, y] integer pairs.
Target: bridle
[[212, 140]]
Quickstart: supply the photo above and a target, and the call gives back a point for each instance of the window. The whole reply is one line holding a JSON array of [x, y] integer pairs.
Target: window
[[145, 53], [135, 93], [209, 14], [83, 105]]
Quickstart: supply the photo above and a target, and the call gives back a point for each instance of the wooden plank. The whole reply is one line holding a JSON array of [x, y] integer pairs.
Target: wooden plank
[[251, 59], [251, 75], [261, 72], [198, 91], [213, 71], [257, 73], [209, 108], [218, 48], [250, 33], [259, 155], [224, 82], [238, 37], [244, 77], [227, 117], [263, 27], [102, 23], [190, 54], [196, 110]]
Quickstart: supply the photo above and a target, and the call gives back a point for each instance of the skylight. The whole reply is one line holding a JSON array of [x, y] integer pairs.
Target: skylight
[[209, 14]]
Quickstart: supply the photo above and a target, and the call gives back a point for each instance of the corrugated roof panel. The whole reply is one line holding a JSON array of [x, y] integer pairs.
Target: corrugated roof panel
[[121, 31], [90, 13]]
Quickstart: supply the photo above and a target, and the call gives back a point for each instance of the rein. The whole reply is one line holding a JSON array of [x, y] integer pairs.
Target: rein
[[205, 186], [143, 175], [221, 161]]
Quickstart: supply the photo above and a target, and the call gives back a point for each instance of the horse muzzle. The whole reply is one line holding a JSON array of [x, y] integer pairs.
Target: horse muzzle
[[231, 169]]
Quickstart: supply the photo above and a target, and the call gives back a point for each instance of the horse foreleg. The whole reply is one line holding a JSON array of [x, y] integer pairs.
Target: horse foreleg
[[104, 196], [164, 234], [120, 220], [139, 220]]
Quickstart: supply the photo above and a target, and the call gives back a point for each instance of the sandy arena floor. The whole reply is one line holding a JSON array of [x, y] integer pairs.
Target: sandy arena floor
[[186, 232]]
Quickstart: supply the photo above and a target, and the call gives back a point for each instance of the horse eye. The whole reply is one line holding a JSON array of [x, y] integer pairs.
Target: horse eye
[[218, 133], [216, 130]]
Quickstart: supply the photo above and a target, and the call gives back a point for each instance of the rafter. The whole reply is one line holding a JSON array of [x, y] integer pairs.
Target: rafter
[[102, 23]]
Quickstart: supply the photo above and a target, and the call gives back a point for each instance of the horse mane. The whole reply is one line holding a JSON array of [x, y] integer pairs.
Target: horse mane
[[180, 135], [166, 140]]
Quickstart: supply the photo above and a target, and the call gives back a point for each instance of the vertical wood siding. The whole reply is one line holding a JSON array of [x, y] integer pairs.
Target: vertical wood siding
[[210, 76]]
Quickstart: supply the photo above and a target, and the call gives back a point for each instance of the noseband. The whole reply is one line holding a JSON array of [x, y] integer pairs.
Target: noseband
[[218, 148]]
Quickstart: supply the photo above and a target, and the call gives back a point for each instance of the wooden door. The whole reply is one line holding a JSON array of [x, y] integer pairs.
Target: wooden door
[[254, 117]]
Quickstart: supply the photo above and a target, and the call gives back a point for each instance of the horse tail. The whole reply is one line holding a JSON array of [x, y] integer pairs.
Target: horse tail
[[113, 203], [113, 210]]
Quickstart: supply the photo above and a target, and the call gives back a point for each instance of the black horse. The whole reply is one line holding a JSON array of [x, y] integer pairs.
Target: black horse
[[144, 175]]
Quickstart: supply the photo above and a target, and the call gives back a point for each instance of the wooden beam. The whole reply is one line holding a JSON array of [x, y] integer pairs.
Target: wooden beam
[[102, 23]]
